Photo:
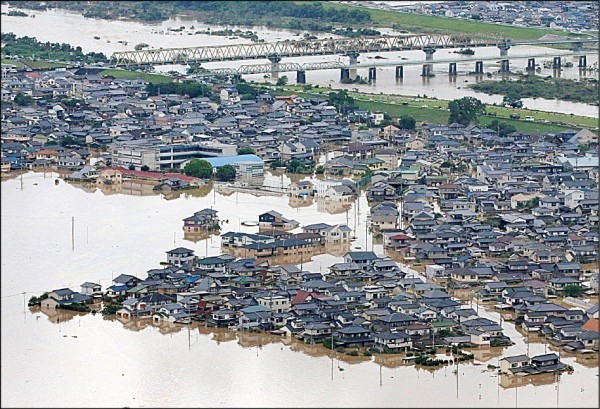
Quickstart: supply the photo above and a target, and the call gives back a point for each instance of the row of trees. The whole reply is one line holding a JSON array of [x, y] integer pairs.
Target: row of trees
[[533, 86], [191, 88], [281, 14], [202, 169], [30, 47]]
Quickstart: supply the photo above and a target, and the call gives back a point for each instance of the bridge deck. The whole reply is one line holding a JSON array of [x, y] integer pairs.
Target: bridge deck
[[317, 47], [328, 65]]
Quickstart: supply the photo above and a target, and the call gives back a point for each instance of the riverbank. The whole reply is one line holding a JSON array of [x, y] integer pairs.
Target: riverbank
[[422, 23], [434, 110], [302, 15], [533, 86]]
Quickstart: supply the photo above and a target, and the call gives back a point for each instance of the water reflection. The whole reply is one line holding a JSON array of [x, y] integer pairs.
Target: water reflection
[[296, 202], [512, 381], [332, 206], [195, 237], [57, 316]]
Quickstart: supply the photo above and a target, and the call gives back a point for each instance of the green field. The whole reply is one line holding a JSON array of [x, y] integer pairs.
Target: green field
[[14, 63], [393, 105], [153, 78], [424, 111], [424, 23], [438, 116], [501, 112], [43, 64]]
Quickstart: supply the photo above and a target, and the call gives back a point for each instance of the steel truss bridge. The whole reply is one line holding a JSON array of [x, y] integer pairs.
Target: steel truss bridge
[[299, 48], [345, 46], [329, 65]]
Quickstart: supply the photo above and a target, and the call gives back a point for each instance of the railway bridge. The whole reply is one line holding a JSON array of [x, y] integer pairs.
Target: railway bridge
[[350, 47], [345, 68]]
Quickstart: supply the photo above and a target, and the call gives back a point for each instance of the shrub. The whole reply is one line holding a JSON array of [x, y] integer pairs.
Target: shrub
[[76, 307], [353, 353], [110, 309]]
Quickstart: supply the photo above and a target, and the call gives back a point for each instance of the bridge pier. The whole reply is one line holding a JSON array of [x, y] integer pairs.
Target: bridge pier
[[556, 63], [503, 46], [504, 66], [582, 61], [427, 70], [429, 50], [300, 77], [530, 64], [275, 60], [452, 68], [372, 74], [399, 72], [353, 55], [478, 67], [344, 74]]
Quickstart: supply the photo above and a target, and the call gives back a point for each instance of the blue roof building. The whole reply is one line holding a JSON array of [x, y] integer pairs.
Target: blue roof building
[[219, 161]]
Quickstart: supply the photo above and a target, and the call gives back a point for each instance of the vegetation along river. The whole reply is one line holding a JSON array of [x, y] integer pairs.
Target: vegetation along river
[[72, 28]]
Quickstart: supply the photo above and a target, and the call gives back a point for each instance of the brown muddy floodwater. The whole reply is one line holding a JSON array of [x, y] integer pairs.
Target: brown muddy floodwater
[[52, 358]]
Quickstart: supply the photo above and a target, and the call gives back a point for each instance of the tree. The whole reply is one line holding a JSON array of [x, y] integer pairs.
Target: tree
[[294, 166], [145, 168], [22, 100], [512, 100], [283, 80], [342, 101], [245, 151], [465, 110], [225, 173], [320, 170], [407, 122], [502, 128], [572, 290], [198, 168]]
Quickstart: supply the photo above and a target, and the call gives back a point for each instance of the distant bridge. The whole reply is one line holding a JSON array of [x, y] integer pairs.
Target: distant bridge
[[269, 68], [350, 47]]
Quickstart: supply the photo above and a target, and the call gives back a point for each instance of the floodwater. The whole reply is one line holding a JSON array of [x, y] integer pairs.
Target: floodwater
[[52, 358], [69, 27]]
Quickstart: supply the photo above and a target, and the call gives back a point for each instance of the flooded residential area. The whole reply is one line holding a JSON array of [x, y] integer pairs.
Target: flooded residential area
[[178, 235]]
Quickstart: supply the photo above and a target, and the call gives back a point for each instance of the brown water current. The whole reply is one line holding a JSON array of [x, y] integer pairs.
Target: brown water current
[[52, 358]]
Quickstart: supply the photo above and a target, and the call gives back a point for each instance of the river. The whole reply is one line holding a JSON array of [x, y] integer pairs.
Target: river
[[69, 27], [86, 360]]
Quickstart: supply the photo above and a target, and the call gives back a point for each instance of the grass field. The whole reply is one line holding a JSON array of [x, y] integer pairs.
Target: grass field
[[437, 116], [424, 23], [153, 78], [14, 63], [423, 111], [393, 104], [43, 64]]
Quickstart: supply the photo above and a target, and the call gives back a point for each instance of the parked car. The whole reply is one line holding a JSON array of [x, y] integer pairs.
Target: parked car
[[514, 116]]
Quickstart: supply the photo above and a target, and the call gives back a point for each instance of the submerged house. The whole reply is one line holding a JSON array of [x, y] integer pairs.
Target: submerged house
[[203, 220], [524, 365]]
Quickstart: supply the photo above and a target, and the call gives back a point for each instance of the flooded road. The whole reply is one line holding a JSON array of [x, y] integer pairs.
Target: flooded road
[[72, 28], [106, 362]]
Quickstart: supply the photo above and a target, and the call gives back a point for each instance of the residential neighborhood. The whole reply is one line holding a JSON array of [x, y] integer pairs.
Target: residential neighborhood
[[510, 218]]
